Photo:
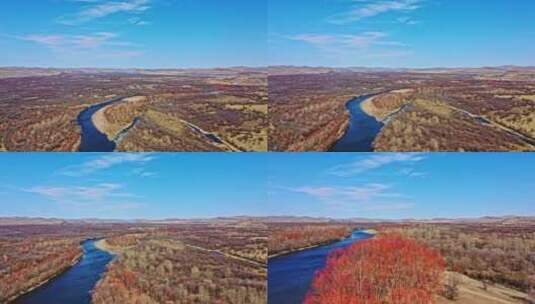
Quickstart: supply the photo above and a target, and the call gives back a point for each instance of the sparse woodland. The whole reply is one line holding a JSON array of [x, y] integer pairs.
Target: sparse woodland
[[287, 238], [489, 253], [199, 263], [39, 113], [307, 110]]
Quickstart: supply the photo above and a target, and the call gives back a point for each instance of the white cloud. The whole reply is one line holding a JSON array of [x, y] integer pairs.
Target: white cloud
[[99, 197], [410, 172], [374, 161], [138, 21], [353, 193], [143, 173], [367, 45], [101, 9], [407, 21], [96, 192], [371, 8], [105, 162], [89, 41], [368, 197], [358, 41]]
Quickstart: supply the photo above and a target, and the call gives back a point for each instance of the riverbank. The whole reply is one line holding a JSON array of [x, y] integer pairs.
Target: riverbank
[[475, 291], [329, 242], [127, 110], [50, 278], [104, 246], [341, 132], [361, 129], [290, 251], [371, 109]]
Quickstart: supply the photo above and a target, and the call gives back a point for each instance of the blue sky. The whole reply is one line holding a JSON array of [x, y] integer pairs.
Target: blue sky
[[133, 33], [402, 33], [126, 186], [393, 185], [185, 185]]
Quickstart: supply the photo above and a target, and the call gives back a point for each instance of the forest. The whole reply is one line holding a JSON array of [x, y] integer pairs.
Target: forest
[[32, 254], [38, 112], [443, 261], [193, 263], [183, 261], [285, 238], [491, 253], [423, 110]]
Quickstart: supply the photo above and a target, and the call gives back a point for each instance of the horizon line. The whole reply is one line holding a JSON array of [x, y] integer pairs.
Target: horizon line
[[272, 216], [269, 66]]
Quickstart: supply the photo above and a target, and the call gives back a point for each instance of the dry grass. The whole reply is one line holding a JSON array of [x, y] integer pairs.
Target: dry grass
[[262, 108], [473, 291]]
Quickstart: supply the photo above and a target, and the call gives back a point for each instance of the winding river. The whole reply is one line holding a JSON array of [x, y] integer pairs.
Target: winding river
[[75, 284], [362, 129], [92, 139], [289, 276]]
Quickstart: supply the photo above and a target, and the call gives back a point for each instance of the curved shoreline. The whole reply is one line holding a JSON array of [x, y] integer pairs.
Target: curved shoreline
[[103, 245], [290, 251], [104, 126], [87, 125], [89, 258], [349, 141], [75, 261]]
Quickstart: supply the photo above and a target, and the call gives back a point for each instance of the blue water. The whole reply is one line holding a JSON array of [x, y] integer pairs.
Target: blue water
[[362, 129], [74, 286], [92, 139], [290, 276]]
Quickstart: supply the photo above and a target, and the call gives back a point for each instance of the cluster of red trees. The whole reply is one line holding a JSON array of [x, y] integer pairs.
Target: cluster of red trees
[[388, 269]]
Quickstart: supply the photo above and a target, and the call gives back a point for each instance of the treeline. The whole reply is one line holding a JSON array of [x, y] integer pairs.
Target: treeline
[[489, 253], [431, 125], [289, 238], [386, 269], [158, 267], [40, 113], [26, 263], [307, 112]]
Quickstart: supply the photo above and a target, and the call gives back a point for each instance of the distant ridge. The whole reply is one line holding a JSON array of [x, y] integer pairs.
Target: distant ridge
[[289, 70], [15, 72], [503, 220]]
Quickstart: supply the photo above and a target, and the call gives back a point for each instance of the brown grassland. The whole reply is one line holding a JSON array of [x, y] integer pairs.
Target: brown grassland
[[39, 110], [175, 261], [423, 110]]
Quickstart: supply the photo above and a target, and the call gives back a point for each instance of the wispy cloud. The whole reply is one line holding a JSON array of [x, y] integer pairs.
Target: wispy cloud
[[370, 8], [372, 196], [89, 41], [96, 192], [101, 9], [142, 172], [410, 172], [407, 21], [375, 161], [365, 192], [367, 45], [358, 41], [138, 21], [98, 197], [106, 162]]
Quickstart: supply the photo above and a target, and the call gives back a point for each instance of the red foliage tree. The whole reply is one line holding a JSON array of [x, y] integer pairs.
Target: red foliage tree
[[387, 269]]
